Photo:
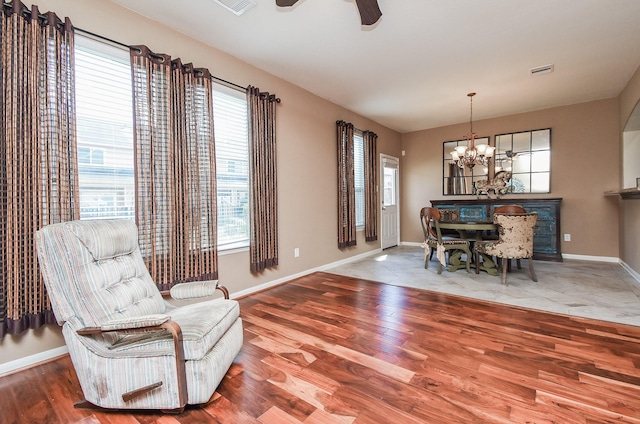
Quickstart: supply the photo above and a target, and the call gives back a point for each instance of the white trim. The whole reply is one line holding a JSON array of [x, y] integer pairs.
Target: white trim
[[411, 243], [273, 283], [609, 259], [380, 189], [630, 270], [29, 361]]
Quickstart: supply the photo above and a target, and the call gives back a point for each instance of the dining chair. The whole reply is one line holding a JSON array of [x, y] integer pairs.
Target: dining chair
[[130, 348], [515, 240], [434, 240], [508, 209]]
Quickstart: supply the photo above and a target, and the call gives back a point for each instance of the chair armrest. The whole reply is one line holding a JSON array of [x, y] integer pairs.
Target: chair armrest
[[197, 289], [150, 323], [141, 322]]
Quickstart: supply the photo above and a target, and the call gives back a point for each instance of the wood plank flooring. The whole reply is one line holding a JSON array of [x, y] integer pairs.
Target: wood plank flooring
[[331, 349]]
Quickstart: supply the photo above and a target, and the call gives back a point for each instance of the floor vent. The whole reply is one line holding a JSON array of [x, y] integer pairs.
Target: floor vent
[[546, 69], [236, 6]]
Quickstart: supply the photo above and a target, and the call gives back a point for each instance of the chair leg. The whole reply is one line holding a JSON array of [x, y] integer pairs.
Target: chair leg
[[533, 273], [518, 261], [469, 256], [477, 259], [504, 271]]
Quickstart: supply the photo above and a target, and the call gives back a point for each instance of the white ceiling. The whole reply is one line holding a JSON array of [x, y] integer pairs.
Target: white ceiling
[[413, 69]]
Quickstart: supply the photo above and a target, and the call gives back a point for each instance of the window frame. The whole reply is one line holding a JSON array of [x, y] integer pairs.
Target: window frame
[[104, 49], [358, 178], [104, 123], [240, 244]]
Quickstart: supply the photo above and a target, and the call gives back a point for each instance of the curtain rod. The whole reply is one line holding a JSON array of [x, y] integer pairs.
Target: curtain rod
[[93, 34]]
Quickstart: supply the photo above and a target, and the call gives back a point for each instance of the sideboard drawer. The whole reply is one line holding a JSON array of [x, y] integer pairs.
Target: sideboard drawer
[[472, 213]]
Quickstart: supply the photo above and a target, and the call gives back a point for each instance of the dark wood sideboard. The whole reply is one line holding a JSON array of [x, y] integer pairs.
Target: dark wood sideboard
[[546, 238]]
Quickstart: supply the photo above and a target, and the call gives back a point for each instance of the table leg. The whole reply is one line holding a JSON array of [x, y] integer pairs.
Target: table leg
[[456, 262], [487, 265]]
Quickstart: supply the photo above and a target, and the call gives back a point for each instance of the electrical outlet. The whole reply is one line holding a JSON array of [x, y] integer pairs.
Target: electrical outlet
[[296, 252], [567, 237]]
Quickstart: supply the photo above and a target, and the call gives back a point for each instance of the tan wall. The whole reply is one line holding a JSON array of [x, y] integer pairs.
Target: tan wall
[[306, 134], [630, 209], [578, 175]]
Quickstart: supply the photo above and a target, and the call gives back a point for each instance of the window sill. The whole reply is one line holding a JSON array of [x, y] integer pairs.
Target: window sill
[[232, 249]]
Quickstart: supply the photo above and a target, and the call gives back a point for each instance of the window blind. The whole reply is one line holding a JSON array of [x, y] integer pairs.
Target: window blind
[[232, 166], [104, 120], [358, 168]]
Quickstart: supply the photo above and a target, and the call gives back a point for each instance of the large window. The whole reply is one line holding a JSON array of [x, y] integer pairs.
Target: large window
[[105, 130], [358, 168], [105, 143], [232, 166]]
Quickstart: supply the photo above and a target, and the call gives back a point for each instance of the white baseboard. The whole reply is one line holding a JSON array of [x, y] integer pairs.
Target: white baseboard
[[273, 283], [630, 270], [31, 360], [609, 259]]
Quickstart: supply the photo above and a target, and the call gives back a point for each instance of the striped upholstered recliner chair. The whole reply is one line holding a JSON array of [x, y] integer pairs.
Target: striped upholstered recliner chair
[[130, 348]]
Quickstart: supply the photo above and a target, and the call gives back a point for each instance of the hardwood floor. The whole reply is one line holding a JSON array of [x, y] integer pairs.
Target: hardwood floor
[[331, 349]]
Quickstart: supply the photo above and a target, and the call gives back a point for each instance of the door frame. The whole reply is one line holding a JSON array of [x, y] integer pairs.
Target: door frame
[[383, 159]]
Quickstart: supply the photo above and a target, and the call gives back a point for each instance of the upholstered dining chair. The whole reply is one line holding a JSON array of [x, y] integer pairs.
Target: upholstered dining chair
[[433, 240], [130, 348], [515, 240], [508, 209]]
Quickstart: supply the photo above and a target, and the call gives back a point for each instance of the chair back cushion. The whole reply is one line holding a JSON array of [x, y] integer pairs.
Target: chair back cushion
[[94, 272], [516, 235]]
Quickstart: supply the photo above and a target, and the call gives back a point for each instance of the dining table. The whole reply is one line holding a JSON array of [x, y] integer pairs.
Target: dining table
[[472, 231]]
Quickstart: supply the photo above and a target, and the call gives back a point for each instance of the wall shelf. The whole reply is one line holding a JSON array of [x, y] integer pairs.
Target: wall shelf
[[627, 193]]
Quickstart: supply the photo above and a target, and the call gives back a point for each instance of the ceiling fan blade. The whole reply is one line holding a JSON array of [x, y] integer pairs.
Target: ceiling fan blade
[[369, 11], [286, 3]]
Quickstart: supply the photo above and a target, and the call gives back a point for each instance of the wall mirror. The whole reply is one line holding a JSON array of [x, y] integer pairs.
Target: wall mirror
[[527, 155], [456, 180]]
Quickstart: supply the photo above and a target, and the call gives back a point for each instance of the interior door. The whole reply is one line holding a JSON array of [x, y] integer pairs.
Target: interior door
[[390, 222]]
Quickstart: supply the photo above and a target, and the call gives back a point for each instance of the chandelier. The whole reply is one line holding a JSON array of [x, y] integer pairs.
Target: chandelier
[[470, 155]]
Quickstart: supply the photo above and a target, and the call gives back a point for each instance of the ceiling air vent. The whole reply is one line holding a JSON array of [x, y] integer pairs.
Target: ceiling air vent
[[546, 69], [236, 6]]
